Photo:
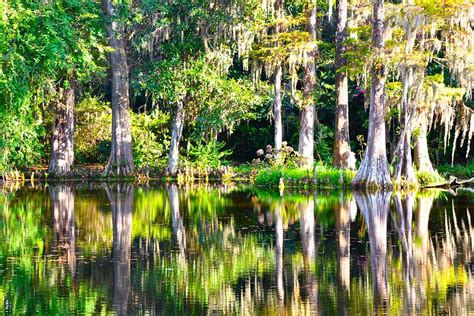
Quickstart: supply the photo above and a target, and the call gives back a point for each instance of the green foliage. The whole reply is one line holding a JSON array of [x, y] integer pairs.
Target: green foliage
[[92, 134], [208, 154], [460, 171], [326, 176], [429, 178], [41, 45], [150, 139]]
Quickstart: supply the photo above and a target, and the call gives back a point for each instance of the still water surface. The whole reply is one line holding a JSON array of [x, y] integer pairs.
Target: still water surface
[[125, 249]]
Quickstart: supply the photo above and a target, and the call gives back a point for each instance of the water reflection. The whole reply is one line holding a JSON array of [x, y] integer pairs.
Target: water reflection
[[128, 249], [279, 210], [342, 215], [62, 204], [121, 202], [374, 207], [176, 219]]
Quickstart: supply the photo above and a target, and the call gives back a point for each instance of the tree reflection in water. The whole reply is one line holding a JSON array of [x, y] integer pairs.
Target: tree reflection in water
[[374, 207], [121, 202], [206, 250], [308, 245], [342, 215], [62, 204]]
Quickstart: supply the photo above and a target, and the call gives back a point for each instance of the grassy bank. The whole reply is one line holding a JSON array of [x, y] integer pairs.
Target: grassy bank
[[299, 177], [459, 171]]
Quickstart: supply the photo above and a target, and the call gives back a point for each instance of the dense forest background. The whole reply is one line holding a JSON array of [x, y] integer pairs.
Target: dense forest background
[[204, 80]]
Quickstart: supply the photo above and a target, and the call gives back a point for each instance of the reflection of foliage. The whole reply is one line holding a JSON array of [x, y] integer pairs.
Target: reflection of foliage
[[226, 267]]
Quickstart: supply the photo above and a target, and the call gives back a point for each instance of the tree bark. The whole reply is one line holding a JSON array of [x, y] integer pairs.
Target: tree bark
[[62, 141], [404, 167], [121, 201], [373, 171], [308, 111], [176, 134], [375, 208], [121, 158], [421, 154], [62, 203], [277, 117], [342, 149]]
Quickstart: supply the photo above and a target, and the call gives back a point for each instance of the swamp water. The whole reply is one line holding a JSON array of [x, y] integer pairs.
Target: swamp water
[[161, 249]]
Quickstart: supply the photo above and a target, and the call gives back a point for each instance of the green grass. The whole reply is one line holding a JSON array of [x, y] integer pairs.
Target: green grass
[[429, 178], [300, 177], [459, 171]]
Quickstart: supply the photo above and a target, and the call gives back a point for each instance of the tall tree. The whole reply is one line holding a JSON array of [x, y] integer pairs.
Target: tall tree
[[62, 142], [277, 113], [373, 171], [342, 149], [121, 159], [308, 110]]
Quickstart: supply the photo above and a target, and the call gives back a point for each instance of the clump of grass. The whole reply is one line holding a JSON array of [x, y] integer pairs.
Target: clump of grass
[[301, 177], [429, 178]]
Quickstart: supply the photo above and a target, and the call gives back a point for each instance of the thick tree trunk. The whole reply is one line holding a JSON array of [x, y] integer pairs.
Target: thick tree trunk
[[404, 168], [121, 159], [176, 134], [375, 208], [62, 141], [121, 201], [308, 111], [421, 154], [342, 149], [277, 117], [373, 171], [62, 203]]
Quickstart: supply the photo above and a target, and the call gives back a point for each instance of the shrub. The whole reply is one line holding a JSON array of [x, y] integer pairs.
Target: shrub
[[427, 178], [150, 139], [326, 176], [208, 154], [92, 134]]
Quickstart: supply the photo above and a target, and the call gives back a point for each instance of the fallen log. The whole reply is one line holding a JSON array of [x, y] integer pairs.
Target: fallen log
[[452, 182]]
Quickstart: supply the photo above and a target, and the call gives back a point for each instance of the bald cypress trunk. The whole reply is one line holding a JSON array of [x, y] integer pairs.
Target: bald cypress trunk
[[121, 159], [176, 133], [277, 117], [373, 171], [308, 111], [62, 141], [342, 149], [421, 154]]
